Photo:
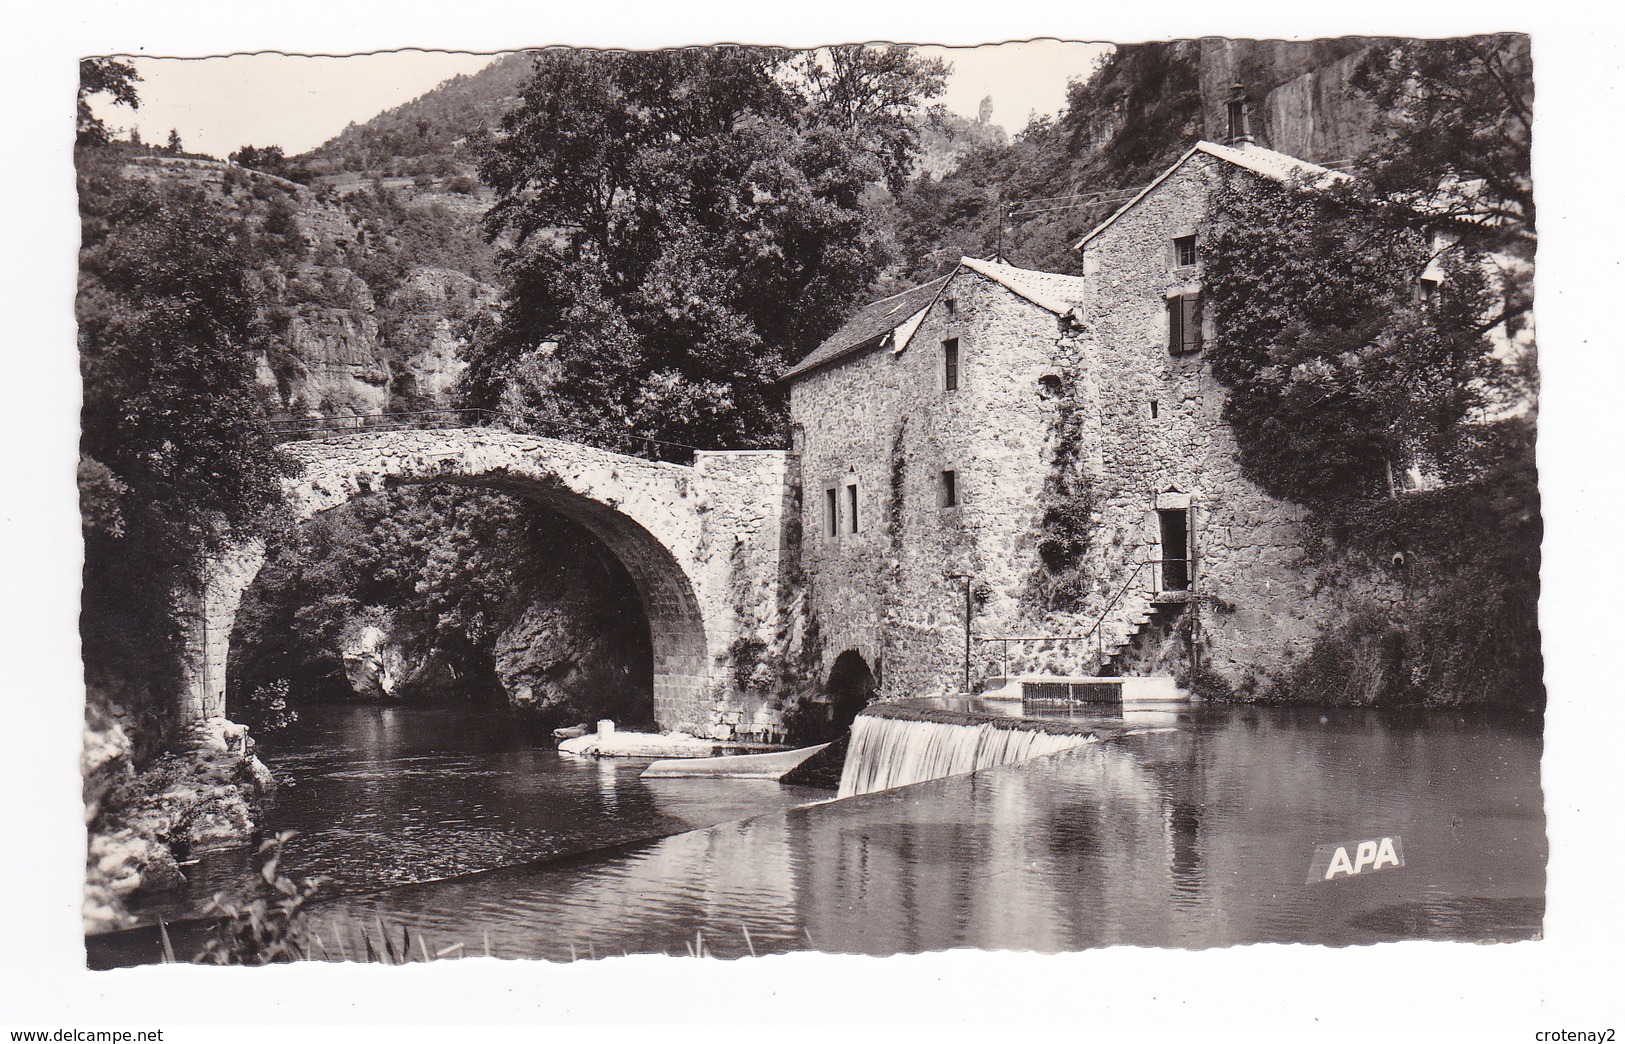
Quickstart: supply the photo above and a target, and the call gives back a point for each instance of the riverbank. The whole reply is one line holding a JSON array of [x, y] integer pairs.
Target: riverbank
[[146, 823]]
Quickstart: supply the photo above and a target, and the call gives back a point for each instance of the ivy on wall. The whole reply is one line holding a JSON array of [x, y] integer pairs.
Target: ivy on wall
[[1338, 374], [1067, 507]]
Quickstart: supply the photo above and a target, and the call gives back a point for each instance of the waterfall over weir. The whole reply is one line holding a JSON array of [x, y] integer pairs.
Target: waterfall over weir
[[894, 750]]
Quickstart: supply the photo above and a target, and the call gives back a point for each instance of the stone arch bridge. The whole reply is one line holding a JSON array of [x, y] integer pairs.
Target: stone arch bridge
[[706, 545]]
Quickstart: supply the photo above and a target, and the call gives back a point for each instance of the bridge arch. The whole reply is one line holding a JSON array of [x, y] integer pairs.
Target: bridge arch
[[665, 522]]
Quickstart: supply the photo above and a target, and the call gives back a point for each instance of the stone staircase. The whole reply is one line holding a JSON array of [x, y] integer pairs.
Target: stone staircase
[[1143, 645]]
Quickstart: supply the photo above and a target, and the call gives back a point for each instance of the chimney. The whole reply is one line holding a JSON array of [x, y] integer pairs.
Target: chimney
[[1238, 117]]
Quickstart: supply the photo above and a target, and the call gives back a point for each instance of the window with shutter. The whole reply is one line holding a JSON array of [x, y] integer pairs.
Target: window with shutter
[[1185, 323], [1191, 328]]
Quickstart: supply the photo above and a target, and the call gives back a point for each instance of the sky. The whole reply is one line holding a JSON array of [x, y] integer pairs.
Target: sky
[[220, 104]]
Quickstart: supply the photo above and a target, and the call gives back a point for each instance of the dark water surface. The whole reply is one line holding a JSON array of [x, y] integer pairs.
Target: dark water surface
[[1200, 836], [389, 795]]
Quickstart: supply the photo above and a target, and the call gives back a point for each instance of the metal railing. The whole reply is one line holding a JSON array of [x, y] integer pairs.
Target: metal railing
[[287, 429], [290, 429], [1096, 632]]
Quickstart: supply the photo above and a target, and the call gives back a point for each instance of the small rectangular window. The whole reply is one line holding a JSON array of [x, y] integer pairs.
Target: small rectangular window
[[852, 506], [1185, 323], [1185, 251], [1427, 293], [831, 519], [950, 364], [950, 489], [951, 305]]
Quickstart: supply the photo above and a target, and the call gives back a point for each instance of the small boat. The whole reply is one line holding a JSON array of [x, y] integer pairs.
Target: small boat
[[770, 765], [571, 732]]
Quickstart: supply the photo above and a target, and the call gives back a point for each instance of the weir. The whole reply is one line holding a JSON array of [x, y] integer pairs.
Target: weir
[[895, 745]]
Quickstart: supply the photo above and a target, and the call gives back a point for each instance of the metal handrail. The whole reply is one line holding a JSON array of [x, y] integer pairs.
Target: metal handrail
[[1095, 631]]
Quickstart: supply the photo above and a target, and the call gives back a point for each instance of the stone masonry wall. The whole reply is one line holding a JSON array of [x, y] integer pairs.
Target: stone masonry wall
[[690, 537], [882, 421], [746, 561], [886, 423], [1261, 602]]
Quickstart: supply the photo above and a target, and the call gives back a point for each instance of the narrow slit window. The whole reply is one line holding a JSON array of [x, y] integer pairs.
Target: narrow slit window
[[950, 489], [852, 506], [831, 519], [950, 364], [1153, 409]]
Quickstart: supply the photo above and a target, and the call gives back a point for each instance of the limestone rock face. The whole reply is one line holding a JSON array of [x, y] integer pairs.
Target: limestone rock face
[[374, 660], [186, 803], [427, 317], [105, 762], [572, 657], [581, 650], [1303, 100]]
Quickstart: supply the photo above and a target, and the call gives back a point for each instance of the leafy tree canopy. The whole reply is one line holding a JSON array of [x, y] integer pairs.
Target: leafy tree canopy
[[105, 76], [178, 455], [683, 224]]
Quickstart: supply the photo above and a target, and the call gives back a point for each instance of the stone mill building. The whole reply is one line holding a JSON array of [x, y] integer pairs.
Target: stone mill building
[[1046, 456]]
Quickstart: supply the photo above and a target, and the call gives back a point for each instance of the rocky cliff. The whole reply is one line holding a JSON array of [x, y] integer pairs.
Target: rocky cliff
[[341, 344], [1304, 103]]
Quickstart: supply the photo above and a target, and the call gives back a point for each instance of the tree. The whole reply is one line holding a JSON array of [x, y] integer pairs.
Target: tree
[[872, 95], [104, 76], [1454, 112], [683, 224], [270, 160], [174, 145], [177, 455], [1338, 373], [1456, 128]]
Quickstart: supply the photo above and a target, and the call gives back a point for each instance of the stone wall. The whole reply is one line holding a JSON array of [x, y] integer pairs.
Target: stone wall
[[1152, 436], [1261, 601], [746, 563], [884, 422]]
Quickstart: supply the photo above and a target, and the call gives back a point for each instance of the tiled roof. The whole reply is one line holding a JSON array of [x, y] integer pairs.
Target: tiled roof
[[1277, 166], [1049, 290], [871, 323]]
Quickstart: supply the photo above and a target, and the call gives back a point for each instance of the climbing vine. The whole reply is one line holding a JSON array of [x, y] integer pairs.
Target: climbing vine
[[1338, 374], [1067, 507]]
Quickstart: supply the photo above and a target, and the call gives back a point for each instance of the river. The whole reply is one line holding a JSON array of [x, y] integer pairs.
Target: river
[[389, 795], [1200, 835]]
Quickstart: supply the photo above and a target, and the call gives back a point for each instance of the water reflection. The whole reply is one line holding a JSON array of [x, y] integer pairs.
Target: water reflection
[[384, 796], [1196, 837], [1199, 837]]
